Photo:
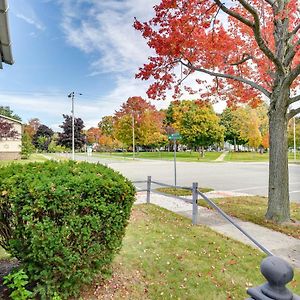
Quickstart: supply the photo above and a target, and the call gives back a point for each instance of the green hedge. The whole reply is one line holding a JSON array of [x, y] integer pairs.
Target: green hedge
[[63, 221]]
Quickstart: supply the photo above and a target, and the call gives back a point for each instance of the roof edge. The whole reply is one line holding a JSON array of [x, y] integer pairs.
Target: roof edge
[[11, 119]]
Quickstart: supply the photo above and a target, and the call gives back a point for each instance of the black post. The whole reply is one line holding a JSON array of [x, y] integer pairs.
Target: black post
[[278, 273]]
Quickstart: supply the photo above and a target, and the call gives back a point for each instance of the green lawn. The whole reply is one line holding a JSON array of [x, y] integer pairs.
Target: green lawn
[[246, 156], [165, 257], [194, 156], [181, 192], [180, 156], [254, 156], [33, 157]]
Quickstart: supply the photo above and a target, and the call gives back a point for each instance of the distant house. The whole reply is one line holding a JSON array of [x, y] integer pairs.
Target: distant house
[[10, 147]]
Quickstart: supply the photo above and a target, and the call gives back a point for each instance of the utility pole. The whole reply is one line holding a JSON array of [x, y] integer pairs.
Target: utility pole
[[295, 138], [72, 95], [133, 138]]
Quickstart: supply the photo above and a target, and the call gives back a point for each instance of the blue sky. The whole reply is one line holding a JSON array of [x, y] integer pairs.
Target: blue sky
[[86, 46]]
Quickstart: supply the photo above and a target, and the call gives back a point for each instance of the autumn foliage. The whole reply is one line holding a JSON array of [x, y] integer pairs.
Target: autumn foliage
[[236, 39], [249, 48]]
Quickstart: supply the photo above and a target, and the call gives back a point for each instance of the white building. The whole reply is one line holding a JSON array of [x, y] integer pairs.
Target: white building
[[10, 148]]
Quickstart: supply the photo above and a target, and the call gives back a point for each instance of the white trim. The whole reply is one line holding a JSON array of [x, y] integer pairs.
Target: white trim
[[11, 119]]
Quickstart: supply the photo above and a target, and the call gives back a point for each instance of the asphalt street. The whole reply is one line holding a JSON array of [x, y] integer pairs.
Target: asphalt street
[[250, 178]]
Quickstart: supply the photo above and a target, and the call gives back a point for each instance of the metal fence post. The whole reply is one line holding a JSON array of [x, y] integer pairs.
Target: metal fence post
[[278, 273], [195, 203], [148, 189]]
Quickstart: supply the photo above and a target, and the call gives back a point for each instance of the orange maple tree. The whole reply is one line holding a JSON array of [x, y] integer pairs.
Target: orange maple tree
[[93, 135], [252, 51]]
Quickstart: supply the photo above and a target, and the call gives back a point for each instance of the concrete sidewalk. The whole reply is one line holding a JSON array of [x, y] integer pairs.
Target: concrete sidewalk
[[278, 243]]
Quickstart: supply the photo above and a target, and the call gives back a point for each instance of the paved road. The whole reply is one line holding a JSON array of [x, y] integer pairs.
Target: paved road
[[251, 178]]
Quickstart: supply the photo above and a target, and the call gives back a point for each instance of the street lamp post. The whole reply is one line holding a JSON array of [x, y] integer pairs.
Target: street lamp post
[[72, 95], [133, 138], [295, 149]]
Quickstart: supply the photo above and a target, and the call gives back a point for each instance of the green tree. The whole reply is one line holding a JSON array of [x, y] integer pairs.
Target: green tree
[[53, 145], [200, 127], [106, 125], [231, 123], [42, 138], [27, 147], [6, 111]]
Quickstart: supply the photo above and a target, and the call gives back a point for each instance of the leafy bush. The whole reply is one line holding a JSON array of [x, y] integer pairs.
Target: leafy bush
[[63, 220], [17, 282]]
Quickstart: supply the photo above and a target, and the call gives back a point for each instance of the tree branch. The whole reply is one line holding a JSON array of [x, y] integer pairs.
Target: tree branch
[[271, 2], [293, 113], [293, 75], [244, 59], [295, 30], [229, 76], [234, 14], [291, 53], [255, 26], [294, 99], [258, 37]]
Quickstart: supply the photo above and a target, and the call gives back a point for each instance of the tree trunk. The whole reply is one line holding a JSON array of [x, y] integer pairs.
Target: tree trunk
[[279, 204], [234, 144], [201, 152]]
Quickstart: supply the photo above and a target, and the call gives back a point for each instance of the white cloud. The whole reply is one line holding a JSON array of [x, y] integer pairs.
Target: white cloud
[[105, 29], [32, 21]]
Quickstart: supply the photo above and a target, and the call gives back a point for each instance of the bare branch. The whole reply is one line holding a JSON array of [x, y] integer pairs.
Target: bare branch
[[234, 14], [295, 30], [229, 76], [293, 113], [246, 57], [293, 75], [291, 53], [185, 77], [271, 2], [294, 99]]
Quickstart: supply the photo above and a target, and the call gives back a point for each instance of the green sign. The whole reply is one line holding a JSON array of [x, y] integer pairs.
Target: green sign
[[175, 136]]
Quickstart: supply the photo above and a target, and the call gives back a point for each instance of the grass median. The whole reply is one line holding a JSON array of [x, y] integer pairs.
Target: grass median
[[253, 209], [250, 209]]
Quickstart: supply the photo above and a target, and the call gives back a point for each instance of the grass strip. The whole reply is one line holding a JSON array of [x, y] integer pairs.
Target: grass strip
[[247, 208], [181, 192], [253, 209]]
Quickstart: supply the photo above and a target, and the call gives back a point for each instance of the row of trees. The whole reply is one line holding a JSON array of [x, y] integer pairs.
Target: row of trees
[[44, 138], [196, 121], [37, 136]]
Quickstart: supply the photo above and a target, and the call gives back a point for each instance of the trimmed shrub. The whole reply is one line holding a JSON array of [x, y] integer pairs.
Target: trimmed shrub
[[64, 221]]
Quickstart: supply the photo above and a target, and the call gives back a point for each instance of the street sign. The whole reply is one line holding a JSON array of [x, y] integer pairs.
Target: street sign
[[175, 136]]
